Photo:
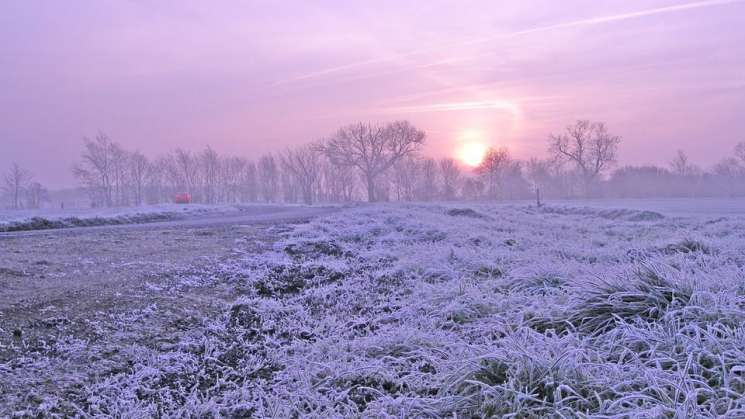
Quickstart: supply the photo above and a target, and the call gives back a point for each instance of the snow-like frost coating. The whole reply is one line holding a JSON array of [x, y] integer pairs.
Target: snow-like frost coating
[[453, 311]]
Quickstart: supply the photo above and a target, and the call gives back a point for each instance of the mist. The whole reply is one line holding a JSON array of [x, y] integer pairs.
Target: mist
[[582, 163]]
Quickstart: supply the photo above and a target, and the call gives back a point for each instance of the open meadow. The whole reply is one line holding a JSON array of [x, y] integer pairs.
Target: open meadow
[[399, 310]]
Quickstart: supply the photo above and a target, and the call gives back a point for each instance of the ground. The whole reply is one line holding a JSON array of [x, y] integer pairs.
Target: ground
[[421, 310]]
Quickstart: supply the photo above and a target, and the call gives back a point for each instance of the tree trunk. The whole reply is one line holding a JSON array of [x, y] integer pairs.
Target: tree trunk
[[370, 188]]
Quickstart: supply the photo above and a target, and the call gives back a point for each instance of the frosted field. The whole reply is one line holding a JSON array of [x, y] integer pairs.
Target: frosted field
[[458, 310]]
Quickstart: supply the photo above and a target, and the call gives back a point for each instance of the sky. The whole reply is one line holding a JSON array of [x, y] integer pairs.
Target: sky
[[250, 77]]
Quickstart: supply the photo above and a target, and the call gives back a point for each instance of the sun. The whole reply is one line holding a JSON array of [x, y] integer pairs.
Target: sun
[[472, 148], [472, 153]]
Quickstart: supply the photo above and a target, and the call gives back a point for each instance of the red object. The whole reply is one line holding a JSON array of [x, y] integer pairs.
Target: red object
[[182, 198]]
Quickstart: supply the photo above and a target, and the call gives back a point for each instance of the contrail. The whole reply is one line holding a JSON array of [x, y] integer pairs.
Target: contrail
[[581, 22], [625, 16]]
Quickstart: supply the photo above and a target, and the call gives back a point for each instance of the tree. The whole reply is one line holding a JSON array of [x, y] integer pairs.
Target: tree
[[139, 170], [538, 173], [472, 188], [450, 177], [587, 145], [16, 181], [727, 177], [209, 174], [303, 164], [186, 169], [428, 179], [403, 179], [337, 182], [96, 169], [120, 174], [372, 149], [640, 182], [492, 170], [157, 181], [237, 180], [249, 183], [514, 185], [268, 178], [740, 154], [36, 193], [681, 166]]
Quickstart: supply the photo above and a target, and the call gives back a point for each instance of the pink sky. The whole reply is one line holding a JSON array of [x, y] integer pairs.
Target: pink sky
[[248, 77]]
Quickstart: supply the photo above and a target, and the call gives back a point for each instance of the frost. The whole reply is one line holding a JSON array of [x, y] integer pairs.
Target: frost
[[415, 311]]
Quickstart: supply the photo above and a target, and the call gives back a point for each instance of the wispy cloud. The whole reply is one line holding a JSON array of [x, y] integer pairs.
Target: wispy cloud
[[399, 57], [507, 106], [625, 16]]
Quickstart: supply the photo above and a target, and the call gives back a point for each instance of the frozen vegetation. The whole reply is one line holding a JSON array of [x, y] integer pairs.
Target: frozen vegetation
[[459, 310], [41, 219]]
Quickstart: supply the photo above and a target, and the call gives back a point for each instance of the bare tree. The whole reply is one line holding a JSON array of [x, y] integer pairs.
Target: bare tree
[[492, 171], [209, 174], [403, 179], [538, 172], [268, 178], [372, 149], [16, 181], [680, 165], [428, 180], [337, 183], [36, 193], [687, 176], [96, 169], [514, 184], [727, 176], [120, 174], [589, 146], [157, 181], [186, 169], [740, 152], [450, 176], [232, 176], [139, 170], [303, 165], [472, 188], [250, 182]]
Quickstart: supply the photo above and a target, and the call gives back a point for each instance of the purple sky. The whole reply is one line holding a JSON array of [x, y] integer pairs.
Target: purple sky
[[249, 77]]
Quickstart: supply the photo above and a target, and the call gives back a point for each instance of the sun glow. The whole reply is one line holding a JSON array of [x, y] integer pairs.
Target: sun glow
[[471, 153], [472, 148]]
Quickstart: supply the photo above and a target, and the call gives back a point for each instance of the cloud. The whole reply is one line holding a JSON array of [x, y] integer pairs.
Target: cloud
[[502, 105], [625, 16], [400, 57]]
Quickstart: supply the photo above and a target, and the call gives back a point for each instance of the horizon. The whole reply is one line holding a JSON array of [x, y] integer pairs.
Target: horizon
[[252, 78]]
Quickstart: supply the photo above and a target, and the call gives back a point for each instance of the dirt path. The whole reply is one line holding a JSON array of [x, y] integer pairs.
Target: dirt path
[[40, 266]]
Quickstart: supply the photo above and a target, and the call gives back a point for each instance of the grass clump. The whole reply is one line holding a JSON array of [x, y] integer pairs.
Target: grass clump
[[647, 294], [687, 246], [465, 212]]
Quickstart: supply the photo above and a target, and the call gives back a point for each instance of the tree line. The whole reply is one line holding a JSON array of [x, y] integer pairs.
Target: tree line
[[381, 162], [21, 190]]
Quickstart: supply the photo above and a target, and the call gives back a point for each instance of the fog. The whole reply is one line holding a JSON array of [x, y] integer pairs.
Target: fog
[[375, 162]]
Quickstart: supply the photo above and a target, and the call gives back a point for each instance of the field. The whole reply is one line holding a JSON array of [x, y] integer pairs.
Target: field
[[420, 310]]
